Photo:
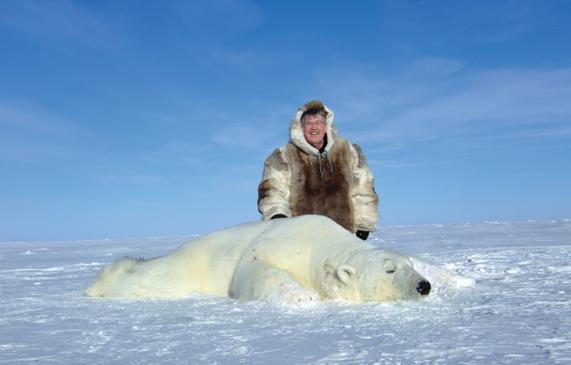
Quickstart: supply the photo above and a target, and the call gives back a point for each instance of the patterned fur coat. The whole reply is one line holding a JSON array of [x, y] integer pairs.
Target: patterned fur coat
[[337, 182]]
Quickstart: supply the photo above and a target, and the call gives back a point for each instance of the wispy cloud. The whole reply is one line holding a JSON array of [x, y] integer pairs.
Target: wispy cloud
[[58, 19], [132, 178], [243, 136], [31, 132], [258, 128], [213, 124], [219, 19], [422, 104], [179, 152], [15, 148], [248, 59], [34, 118]]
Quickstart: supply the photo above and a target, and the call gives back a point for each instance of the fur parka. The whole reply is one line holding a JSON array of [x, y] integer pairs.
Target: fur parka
[[298, 179]]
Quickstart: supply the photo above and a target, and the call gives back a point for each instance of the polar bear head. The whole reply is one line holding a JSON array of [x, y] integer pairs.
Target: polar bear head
[[374, 276]]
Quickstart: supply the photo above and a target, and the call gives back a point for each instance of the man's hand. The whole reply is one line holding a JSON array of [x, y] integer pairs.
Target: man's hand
[[361, 234], [278, 216]]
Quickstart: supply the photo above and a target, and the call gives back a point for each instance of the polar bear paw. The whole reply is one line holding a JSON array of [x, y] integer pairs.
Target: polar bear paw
[[293, 295]]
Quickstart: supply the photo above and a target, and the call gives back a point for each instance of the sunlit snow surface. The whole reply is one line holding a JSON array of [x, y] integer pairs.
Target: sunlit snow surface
[[518, 312]]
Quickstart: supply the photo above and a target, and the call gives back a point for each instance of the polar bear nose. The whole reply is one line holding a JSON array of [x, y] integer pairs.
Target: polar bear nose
[[423, 287]]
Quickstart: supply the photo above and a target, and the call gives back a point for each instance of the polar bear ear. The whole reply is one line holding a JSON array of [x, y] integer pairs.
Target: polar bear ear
[[345, 273]]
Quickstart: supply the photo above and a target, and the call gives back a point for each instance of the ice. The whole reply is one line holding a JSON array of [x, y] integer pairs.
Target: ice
[[502, 295]]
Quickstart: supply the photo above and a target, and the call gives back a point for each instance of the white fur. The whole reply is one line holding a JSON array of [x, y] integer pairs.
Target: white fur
[[295, 260]]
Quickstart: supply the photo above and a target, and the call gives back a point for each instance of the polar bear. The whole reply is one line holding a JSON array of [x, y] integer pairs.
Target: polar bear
[[294, 260]]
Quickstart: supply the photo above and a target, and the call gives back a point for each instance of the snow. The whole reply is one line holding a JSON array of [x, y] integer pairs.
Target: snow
[[518, 311]]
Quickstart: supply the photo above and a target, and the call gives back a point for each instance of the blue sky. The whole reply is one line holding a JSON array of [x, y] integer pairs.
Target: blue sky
[[131, 118]]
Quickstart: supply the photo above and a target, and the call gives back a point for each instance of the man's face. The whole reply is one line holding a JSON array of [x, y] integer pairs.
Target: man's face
[[314, 129]]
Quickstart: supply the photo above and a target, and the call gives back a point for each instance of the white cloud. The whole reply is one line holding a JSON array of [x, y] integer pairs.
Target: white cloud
[[219, 19], [33, 118], [30, 132], [132, 178], [55, 19], [14, 148], [241, 136], [255, 126], [179, 152], [420, 104]]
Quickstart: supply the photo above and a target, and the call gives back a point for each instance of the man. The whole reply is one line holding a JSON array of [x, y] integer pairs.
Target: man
[[318, 172]]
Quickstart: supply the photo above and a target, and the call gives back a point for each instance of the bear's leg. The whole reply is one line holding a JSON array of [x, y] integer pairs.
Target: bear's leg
[[260, 281]]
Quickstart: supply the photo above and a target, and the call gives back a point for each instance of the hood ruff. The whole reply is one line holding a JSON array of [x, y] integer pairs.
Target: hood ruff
[[297, 139]]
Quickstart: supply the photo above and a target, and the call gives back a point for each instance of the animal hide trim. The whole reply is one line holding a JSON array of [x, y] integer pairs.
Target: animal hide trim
[[327, 193], [269, 186]]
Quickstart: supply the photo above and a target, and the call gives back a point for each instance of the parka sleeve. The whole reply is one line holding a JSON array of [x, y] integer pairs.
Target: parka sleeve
[[365, 199], [274, 190]]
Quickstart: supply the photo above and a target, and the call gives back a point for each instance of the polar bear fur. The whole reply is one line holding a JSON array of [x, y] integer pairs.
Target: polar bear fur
[[293, 260]]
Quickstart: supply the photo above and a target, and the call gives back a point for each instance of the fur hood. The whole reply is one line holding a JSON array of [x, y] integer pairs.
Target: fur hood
[[296, 131]]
